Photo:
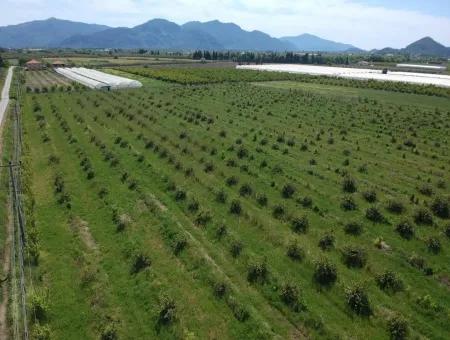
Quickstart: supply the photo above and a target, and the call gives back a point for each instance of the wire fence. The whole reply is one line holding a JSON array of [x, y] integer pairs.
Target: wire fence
[[18, 254]]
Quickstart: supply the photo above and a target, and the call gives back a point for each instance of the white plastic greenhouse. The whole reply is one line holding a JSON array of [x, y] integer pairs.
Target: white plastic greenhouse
[[96, 79]]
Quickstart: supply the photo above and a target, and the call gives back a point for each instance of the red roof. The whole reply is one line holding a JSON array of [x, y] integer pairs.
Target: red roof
[[33, 61]]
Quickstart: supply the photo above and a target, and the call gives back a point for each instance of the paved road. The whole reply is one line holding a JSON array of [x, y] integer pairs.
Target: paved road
[[5, 94]]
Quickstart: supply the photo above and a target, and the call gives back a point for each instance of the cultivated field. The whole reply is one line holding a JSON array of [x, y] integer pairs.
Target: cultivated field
[[96, 61], [45, 80], [210, 204]]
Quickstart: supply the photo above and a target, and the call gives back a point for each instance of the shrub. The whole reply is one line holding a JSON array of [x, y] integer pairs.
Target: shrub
[[239, 311], [257, 272], [358, 300], [288, 191], [203, 218], [39, 306], [178, 244], [193, 206], [291, 297], [326, 242], [441, 207], [447, 231], [300, 224], [416, 261], [235, 248], [389, 282], [295, 252], [235, 207], [354, 257], [109, 332], [180, 195], [233, 180], [245, 190], [140, 262], [261, 199], [305, 201], [122, 221], [209, 167], [397, 327], [405, 229], [426, 190], [396, 207], [434, 245], [348, 203], [278, 211], [325, 272], [370, 196], [423, 216], [41, 332], [374, 214], [220, 289], [353, 228], [349, 184], [221, 196], [167, 310]]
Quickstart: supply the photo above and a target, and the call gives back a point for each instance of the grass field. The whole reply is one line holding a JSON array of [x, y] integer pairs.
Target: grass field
[[238, 210], [45, 80]]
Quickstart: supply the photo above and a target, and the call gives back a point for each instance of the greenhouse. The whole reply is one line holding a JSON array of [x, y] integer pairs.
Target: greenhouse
[[97, 80]]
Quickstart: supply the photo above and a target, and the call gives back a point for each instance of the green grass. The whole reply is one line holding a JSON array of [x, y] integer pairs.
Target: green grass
[[294, 133]]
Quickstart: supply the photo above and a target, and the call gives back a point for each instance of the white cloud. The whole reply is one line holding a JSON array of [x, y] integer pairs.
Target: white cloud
[[342, 20]]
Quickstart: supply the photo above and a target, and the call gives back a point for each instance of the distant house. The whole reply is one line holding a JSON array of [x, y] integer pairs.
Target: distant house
[[58, 63], [33, 65]]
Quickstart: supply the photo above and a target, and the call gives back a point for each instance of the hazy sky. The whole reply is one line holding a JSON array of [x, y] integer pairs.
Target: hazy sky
[[363, 23]]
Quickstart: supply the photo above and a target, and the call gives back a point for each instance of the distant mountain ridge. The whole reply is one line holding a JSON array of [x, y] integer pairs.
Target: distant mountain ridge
[[194, 35], [309, 42], [44, 33]]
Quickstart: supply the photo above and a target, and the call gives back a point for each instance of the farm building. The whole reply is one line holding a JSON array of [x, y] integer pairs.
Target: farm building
[[33, 65], [58, 63]]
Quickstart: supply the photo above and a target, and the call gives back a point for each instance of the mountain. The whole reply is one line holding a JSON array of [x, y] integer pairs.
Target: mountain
[[44, 33], [427, 46], [422, 47], [157, 33], [309, 42], [233, 37]]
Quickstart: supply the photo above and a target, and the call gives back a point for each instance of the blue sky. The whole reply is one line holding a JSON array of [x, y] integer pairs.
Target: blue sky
[[364, 23]]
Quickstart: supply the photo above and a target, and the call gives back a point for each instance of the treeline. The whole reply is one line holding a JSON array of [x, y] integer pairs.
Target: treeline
[[295, 57]]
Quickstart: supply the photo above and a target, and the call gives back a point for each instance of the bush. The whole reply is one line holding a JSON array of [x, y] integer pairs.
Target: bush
[[358, 300], [239, 311], [353, 228], [261, 199], [426, 190], [370, 196], [180, 195], [245, 190], [374, 214], [221, 196], [305, 201], [233, 180], [354, 257], [348, 203], [140, 262], [405, 229], [423, 216], [235, 207], [447, 231], [122, 221], [109, 332], [167, 310], [349, 185], [235, 248], [39, 306], [288, 191], [220, 289], [300, 224], [325, 272], [203, 218], [257, 272], [434, 245], [326, 242], [396, 207], [295, 252], [291, 297], [417, 261], [389, 282], [397, 327], [441, 207], [193, 206], [41, 332], [278, 211]]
